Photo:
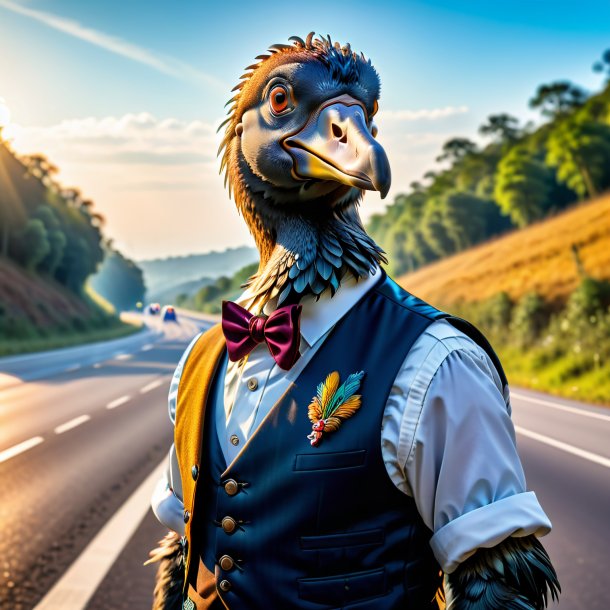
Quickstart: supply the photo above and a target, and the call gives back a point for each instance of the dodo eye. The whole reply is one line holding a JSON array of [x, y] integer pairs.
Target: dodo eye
[[278, 98], [375, 108]]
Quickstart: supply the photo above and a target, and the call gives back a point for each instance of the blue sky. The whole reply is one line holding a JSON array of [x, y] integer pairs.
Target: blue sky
[[124, 96]]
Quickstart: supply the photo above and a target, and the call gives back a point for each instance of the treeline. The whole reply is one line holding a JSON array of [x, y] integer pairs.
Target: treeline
[[522, 175], [51, 230], [44, 228], [209, 298], [51, 243]]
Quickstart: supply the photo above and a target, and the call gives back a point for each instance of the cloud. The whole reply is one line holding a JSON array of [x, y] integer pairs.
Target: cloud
[[425, 114], [161, 63], [131, 139]]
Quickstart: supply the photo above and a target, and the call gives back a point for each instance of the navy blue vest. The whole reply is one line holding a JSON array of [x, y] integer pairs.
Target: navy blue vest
[[323, 527]]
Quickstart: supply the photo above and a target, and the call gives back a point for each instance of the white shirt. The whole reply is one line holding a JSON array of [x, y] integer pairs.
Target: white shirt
[[447, 439]]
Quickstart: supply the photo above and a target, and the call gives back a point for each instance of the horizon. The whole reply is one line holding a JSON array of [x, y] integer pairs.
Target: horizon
[[146, 153]]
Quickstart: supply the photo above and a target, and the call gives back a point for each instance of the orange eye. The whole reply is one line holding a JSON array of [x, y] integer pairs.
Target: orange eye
[[278, 99], [375, 108]]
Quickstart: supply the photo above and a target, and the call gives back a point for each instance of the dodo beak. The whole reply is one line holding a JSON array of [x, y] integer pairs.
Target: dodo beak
[[336, 144]]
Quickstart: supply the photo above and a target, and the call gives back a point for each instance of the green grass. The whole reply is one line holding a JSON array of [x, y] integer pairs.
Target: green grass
[[10, 347], [562, 374]]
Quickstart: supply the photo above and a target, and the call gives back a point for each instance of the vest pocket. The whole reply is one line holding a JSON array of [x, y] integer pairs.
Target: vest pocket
[[343, 589], [329, 461], [335, 541]]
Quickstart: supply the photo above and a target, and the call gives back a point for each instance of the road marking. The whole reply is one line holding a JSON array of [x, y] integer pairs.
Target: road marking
[[151, 386], [7, 454], [148, 347], [80, 581], [113, 404], [97, 365], [73, 423], [123, 356], [547, 440], [560, 407], [72, 368]]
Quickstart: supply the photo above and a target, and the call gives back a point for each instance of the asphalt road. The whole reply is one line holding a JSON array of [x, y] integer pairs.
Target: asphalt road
[[97, 431], [74, 444]]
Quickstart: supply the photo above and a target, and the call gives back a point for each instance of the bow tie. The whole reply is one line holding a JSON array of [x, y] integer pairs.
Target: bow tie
[[280, 331]]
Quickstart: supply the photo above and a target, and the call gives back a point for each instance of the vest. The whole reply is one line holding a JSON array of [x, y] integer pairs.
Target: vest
[[290, 525]]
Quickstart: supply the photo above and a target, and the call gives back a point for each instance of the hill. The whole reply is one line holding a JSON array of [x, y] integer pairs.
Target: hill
[[539, 258], [164, 277], [39, 313]]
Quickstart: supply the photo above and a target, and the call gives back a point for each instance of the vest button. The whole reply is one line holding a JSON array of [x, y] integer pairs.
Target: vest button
[[229, 525], [226, 563], [252, 384], [195, 472], [234, 439], [187, 516], [225, 585], [231, 487]]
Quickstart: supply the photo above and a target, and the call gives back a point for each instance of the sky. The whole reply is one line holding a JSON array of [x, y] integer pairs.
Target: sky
[[125, 97]]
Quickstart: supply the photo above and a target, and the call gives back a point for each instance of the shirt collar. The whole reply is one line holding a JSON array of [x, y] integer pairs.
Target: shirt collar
[[318, 317]]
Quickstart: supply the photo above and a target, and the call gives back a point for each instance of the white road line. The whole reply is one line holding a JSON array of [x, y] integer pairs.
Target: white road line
[[80, 581], [7, 454], [72, 368], [547, 440], [555, 405], [123, 356], [147, 347], [113, 404], [97, 365], [73, 423], [151, 386]]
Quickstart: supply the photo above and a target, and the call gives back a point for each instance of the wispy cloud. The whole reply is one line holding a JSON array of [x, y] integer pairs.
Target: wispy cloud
[[161, 63], [426, 114]]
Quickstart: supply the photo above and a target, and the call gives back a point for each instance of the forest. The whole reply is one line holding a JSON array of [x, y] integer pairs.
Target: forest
[[523, 173], [51, 243]]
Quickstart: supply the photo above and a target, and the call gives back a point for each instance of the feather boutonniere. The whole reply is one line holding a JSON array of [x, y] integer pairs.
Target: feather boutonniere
[[332, 404]]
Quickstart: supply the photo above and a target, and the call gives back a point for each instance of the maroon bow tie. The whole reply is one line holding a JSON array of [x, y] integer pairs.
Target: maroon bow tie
[[280, 331]]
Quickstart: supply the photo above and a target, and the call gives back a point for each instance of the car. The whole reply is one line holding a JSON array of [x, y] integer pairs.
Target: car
[[169, 314], [154, 309]]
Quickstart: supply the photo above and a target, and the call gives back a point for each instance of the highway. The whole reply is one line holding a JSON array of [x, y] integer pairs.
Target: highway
[[80, 438]]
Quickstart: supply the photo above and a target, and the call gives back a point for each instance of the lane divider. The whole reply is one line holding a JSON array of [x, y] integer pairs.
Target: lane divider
[[113, 404], [151, 386], [547, 440], [73, 423], [7, 454], [15, 450], [80, 581], [123, 356], [558, 406], [147, 348]]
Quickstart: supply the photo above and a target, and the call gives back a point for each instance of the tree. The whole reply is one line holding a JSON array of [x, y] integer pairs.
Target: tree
[[580, 150], [464, 218], [32, 244], [522, 186], [557, 98], [603, 65], [456, 148], [503, 127]]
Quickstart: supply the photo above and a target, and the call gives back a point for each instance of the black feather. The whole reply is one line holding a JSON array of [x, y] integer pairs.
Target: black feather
[[517, 574]]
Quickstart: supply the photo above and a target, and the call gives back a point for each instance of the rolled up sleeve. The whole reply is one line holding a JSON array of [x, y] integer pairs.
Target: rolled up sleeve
[[457, 454]]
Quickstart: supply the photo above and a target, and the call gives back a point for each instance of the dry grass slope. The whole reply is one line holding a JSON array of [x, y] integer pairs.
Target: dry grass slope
[[538, 258]]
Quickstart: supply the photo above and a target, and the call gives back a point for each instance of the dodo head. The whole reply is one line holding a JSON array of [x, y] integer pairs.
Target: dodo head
[[302, 121], [299, 147]]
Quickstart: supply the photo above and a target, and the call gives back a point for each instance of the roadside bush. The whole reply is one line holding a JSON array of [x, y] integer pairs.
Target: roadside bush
[[529, 318]]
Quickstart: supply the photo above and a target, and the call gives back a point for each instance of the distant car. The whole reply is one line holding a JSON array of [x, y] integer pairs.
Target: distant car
[[168, 314], [154, 309]]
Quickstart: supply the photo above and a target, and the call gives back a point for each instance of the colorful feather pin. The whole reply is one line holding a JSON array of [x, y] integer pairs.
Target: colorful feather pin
[[332, 404]]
